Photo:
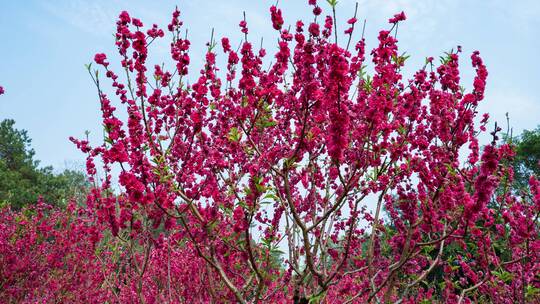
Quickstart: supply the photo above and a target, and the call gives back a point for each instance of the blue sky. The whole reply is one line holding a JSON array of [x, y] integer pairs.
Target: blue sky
[[45, 45]]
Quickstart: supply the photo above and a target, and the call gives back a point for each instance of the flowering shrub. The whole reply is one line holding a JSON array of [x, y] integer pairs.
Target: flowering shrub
[[310, 180], [67, 256], [48, 256]]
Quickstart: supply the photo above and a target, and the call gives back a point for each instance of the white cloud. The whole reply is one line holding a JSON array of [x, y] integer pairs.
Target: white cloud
[[89, 16]]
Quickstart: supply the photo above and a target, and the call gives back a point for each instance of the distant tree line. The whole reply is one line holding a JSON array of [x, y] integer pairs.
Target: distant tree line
[[23, 181]]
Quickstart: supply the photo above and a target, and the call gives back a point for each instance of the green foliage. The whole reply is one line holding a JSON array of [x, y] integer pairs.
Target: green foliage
[[531, 292], [504, 276], [527, 158], [318, 298], [235, 135], [22, 181]]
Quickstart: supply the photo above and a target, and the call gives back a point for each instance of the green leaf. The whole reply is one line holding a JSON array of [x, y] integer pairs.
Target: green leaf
[[428, 249], [531, 291], [332, 3], [276, 252], [269, 123], [242, 204], [260, 188], [367, 84], [271, 196], [450, 169], [234, 135], [504, 276], [315, 299]]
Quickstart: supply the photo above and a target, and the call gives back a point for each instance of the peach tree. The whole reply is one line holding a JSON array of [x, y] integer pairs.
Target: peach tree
[[316, 174]]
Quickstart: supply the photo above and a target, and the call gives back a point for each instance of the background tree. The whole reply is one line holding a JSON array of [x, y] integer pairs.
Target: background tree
[[527, 159], [22, 181]]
